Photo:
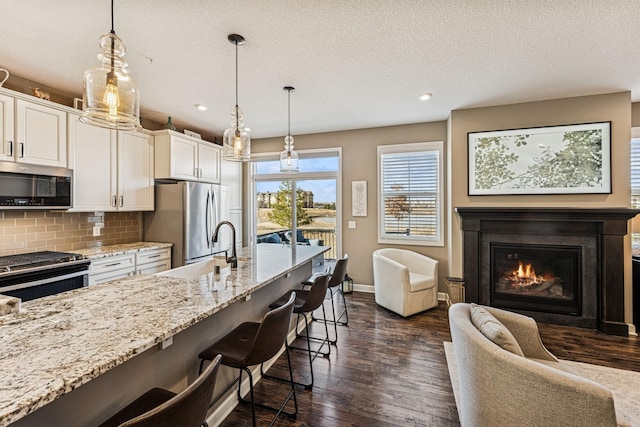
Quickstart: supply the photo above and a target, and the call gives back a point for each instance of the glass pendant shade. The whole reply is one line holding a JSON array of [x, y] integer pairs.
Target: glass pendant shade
[[288, 158], [110, 96], [236, 141]]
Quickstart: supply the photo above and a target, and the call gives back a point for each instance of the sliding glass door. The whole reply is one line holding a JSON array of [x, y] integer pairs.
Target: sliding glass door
[[300, 208]]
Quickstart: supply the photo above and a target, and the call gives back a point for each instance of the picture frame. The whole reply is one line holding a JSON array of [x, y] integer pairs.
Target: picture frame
[[358, 198], [564, 159], [78, 103]]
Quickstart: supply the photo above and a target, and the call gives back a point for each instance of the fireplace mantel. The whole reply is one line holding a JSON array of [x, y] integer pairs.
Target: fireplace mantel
[[607, 225]]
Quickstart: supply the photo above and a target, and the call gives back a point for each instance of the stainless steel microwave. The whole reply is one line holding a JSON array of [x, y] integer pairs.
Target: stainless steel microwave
[[24, 186]]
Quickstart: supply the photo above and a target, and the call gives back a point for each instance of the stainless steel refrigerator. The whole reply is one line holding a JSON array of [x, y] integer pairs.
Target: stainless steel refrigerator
[[186, 214]]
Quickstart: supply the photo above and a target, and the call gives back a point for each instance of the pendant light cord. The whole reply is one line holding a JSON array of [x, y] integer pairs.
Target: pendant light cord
[[112, 26], [289, 113], [237, 113], [111, 76]]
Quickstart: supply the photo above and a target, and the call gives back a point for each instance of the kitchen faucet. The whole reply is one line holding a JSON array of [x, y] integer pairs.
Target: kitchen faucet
[[233, 259]]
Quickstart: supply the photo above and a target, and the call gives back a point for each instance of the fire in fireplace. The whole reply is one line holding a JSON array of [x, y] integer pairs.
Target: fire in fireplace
[[536, 277]]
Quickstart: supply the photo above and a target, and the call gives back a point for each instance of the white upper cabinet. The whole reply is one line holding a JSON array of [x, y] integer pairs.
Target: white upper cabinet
[[7, 127], [41, 134], [93, 157], [113, 171], [32, 132], [209, 162], [135, 171], [182, 157]]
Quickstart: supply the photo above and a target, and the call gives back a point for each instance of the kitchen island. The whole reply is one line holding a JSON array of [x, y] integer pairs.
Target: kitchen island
[[75, 358]]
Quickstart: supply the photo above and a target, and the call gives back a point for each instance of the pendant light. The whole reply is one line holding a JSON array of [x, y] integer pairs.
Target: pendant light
[[110, 96], [288, 158], [236, 144]]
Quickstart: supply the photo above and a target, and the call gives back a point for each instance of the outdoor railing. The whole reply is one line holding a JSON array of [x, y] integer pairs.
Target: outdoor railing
[[315, 236]]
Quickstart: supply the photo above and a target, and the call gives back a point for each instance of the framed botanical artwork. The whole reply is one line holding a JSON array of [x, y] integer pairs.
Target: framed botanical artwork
[[359, 198], [569, 159]]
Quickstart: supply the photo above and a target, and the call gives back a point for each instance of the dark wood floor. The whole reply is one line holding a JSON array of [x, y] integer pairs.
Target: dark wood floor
[[391, 371]]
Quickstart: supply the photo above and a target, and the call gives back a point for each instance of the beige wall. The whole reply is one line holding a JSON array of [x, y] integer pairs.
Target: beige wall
[[359, 163], [31, 231], [615, 107]]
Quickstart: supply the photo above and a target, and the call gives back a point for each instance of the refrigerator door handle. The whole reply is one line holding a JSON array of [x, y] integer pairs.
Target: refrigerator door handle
[[214, 207], [207, 222]]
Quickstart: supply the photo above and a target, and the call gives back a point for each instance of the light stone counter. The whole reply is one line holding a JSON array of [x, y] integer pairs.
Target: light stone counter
[[55, 344], [124, 248]]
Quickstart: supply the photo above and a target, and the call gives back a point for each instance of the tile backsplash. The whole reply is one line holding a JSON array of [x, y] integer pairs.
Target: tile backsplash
[[31, 231]]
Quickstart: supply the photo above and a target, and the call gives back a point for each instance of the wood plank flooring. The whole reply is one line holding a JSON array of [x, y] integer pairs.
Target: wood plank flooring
[[390, 371]]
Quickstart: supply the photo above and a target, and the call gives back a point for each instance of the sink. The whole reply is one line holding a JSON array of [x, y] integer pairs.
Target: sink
[[194, 271]]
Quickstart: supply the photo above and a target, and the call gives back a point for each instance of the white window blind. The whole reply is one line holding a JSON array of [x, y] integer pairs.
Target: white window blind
[[410, 194], [635, 173]]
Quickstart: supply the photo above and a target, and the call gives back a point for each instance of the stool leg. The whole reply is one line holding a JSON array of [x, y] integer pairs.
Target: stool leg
[[345, 312], [253, 405], [335, 320]]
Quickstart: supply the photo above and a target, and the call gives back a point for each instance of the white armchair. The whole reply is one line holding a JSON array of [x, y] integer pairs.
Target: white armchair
[[405, 282]]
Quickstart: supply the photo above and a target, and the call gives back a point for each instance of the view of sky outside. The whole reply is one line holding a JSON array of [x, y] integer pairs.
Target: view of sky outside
[[322, 192]]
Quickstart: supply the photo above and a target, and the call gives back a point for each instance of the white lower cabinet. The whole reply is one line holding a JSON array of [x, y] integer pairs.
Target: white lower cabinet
[[154, 261], [111, 268], [119, 266]]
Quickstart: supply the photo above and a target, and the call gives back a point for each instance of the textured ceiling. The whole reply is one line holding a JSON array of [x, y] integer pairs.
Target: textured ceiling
[[354, 64]]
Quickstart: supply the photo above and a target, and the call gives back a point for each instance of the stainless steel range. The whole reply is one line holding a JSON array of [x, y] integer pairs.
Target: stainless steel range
[[39, 274]]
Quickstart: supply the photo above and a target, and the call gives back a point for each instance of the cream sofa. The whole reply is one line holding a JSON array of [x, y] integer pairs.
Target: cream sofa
[[404, 282], [495, 387]]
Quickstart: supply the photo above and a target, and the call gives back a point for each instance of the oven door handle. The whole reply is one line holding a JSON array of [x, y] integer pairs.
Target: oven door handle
[[43, 281]]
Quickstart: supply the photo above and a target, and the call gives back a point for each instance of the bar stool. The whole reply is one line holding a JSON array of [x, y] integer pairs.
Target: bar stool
[[162, 408], [335, 287], [307, 301], [253, 343]]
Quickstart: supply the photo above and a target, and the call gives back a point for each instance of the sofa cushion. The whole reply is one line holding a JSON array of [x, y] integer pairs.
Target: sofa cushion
[[420, 282], [494, 330]]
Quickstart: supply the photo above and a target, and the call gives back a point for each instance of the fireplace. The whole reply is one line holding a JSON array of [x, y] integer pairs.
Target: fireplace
[[577, 256], [545, 278]]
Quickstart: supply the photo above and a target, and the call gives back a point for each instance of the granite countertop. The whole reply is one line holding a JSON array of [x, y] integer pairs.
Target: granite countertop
[[124, 248], [57, 343]]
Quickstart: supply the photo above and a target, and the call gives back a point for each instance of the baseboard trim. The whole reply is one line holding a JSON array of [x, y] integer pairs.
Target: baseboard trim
[[442, 296], [632, 330], [363, 288], [228, 404]]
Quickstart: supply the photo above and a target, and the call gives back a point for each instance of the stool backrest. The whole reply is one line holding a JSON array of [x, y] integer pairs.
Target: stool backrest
[[186, 409], [272, 333], [316, 294], [339, 272]]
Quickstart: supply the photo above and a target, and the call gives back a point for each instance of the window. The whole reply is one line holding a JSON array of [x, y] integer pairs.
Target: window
[[410, 189], [311, 196], [635, 168]]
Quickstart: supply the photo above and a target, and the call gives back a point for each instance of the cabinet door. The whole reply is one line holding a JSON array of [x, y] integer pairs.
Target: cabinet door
[[209, 162], [184, 159], [6, 128], [235, 217], [135, 171], [231, 176], [41, 134], [93, 158]]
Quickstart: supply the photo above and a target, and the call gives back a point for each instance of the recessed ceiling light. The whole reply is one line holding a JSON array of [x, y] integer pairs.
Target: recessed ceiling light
[[424, 96], [201, 107]]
